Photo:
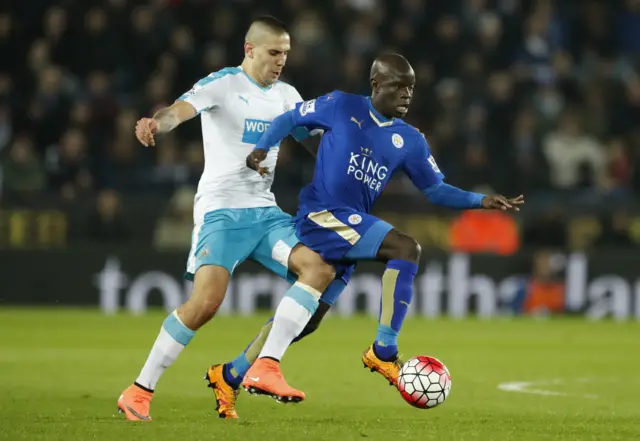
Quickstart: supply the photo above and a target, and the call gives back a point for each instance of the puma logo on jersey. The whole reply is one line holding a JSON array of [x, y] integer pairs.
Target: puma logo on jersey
[[359, 123]]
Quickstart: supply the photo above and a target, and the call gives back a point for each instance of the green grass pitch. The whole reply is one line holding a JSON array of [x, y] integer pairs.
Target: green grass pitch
[[61, 372]]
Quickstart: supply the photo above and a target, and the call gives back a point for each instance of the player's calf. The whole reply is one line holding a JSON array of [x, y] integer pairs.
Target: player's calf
[[177, 331], [209, 289], [402, 253], [313, 324]]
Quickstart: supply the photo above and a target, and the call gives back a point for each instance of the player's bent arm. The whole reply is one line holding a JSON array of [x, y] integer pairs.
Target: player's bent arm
[[310, 115], [168, 118], [277, 131], [453, 197]]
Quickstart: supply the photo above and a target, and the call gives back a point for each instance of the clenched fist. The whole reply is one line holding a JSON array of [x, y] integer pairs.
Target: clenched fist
[[255, 158], [146, 128]]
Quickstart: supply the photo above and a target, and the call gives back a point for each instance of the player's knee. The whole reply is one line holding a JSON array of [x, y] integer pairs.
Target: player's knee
[[312, 270], [197, 312], [210, 286], [405, 248], [318, 275], [411, 249]]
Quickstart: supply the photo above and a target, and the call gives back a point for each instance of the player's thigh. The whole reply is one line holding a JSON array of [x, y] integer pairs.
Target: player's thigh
[[281, 252], [343, 234], [276, 244], [225, 238], [209, 286]]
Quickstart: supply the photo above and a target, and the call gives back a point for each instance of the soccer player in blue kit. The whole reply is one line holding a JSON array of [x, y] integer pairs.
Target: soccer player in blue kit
[[365, 142]]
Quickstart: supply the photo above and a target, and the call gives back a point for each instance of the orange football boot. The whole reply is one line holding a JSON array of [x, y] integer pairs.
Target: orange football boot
[[225, 394], [388, 369], [265, 378], [134, 403]]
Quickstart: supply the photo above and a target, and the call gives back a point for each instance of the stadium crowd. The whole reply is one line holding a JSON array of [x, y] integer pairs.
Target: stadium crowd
[[540, 97]]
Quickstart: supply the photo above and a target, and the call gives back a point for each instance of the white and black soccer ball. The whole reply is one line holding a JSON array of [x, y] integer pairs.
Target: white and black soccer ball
[[424, 382]]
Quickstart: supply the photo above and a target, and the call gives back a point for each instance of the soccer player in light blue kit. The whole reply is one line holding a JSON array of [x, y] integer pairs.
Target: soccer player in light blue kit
[[364, 143], [235, 213]]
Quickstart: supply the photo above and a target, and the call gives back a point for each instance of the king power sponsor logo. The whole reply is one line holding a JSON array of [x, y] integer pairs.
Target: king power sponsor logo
[[445, 287]]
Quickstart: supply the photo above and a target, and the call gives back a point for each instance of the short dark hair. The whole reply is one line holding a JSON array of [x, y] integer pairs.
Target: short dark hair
[[272, 23]]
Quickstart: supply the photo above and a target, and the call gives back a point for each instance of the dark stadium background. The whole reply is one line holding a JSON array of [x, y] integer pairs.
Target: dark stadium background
[[534, 97]]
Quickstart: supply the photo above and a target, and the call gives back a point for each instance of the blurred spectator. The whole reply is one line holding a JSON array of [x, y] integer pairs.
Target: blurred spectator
[[629, 27], [577, 160], [169, 172], [616, 230], [69, 165], [23, 171], [448, 46], [476, 174], [175, 228], [529, 164], [546, 229], [483, 231], [618, 165], [544, 292], [497, 82], [106, 224], [6, 126]]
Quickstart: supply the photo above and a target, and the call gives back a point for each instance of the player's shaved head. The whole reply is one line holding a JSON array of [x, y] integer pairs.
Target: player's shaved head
[[264, 27], [267, 44], [392, 81], [386, 65]]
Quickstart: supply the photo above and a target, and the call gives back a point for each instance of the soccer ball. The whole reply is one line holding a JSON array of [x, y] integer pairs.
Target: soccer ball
[[424, 382]]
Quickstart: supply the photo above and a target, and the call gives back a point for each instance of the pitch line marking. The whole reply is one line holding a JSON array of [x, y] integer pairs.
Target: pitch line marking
[[533, 387]]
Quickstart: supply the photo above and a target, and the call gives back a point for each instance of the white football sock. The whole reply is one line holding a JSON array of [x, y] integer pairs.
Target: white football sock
[[165, 350], [292, 315]]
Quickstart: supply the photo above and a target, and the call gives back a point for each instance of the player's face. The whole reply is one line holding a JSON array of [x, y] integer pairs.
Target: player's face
[[394, 93], [270, 56]]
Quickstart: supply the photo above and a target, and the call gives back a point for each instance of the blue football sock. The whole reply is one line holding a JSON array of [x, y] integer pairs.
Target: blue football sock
[[234, 371], [397, 292]]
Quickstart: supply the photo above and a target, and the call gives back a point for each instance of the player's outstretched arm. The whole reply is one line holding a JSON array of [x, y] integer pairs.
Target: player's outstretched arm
[[425, 174], [457, 198], [163, 121]]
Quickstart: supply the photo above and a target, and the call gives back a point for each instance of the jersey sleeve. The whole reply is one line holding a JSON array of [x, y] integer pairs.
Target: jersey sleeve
[[293, 97], [317, 113], [420, 165], [207, 93]]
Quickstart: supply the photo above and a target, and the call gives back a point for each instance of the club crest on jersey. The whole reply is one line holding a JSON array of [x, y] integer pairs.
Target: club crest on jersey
[[253, 130], [397, 141], [355, 219]]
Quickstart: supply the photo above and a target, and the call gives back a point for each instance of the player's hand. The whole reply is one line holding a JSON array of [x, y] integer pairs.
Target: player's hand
[[499, 202], [146, 128], [255, 158]]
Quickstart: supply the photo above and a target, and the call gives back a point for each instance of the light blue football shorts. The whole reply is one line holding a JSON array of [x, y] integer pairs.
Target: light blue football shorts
[[228, 237]]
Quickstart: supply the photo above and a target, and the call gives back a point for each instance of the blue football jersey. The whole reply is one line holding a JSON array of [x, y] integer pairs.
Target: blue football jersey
[[359, 152]]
